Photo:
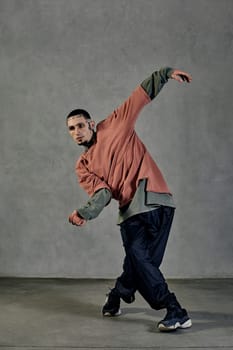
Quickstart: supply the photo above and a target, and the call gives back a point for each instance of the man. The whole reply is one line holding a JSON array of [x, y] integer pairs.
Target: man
[[115, 164]]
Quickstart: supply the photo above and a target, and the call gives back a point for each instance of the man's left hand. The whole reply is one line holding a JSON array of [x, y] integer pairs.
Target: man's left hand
[[75, 219], [181, 76]]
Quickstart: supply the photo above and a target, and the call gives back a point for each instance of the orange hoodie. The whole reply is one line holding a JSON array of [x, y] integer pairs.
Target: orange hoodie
[[118, 159]]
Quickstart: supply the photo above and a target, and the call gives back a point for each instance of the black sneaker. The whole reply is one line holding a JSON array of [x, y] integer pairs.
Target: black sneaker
[[175, 318], [112, 305]]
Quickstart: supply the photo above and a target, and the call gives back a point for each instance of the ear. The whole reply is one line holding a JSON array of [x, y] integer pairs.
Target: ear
[[92, 124]]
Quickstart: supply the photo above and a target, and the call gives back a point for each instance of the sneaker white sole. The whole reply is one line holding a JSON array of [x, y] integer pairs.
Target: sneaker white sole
[[164, 328], [108, 314]]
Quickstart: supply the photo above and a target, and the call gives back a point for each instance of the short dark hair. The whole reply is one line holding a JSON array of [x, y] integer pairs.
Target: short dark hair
[[76, 112]]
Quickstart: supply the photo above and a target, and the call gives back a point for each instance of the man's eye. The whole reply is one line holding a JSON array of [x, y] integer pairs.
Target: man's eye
[[71, 128]]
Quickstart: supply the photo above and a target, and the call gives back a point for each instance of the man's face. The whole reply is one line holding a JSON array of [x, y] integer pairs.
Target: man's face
[[80, 129]]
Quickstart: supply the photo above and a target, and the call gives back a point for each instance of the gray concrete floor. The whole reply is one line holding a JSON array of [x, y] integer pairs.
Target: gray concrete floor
[[48, 314]]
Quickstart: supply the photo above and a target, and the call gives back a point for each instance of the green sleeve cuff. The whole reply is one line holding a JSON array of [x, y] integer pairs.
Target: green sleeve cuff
[[155, 82], [95, 204]]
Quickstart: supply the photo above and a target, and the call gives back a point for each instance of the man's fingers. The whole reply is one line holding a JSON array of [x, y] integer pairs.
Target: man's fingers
[[181, 76], [75, 220], [71, 216], [184, 77]]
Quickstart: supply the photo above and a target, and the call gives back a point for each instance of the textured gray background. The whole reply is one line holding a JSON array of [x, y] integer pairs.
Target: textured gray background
[[59, 55]]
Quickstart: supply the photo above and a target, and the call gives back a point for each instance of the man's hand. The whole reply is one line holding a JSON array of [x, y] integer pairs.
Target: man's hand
[[75, 219], [181, 76]]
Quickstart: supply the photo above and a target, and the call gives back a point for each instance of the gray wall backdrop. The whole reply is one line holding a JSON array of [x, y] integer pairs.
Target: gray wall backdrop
[[56, 55]]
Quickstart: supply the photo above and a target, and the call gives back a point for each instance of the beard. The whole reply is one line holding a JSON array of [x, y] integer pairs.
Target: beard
[[89, 143]]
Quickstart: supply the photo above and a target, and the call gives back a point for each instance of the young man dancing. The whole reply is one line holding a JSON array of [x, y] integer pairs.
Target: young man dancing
[[116, 164]]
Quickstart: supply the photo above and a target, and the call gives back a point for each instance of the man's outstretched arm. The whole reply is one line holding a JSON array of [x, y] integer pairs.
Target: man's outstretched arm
[[144, 93]]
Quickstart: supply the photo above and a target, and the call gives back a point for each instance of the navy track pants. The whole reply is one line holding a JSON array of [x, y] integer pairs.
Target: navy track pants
[[145, 238]]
